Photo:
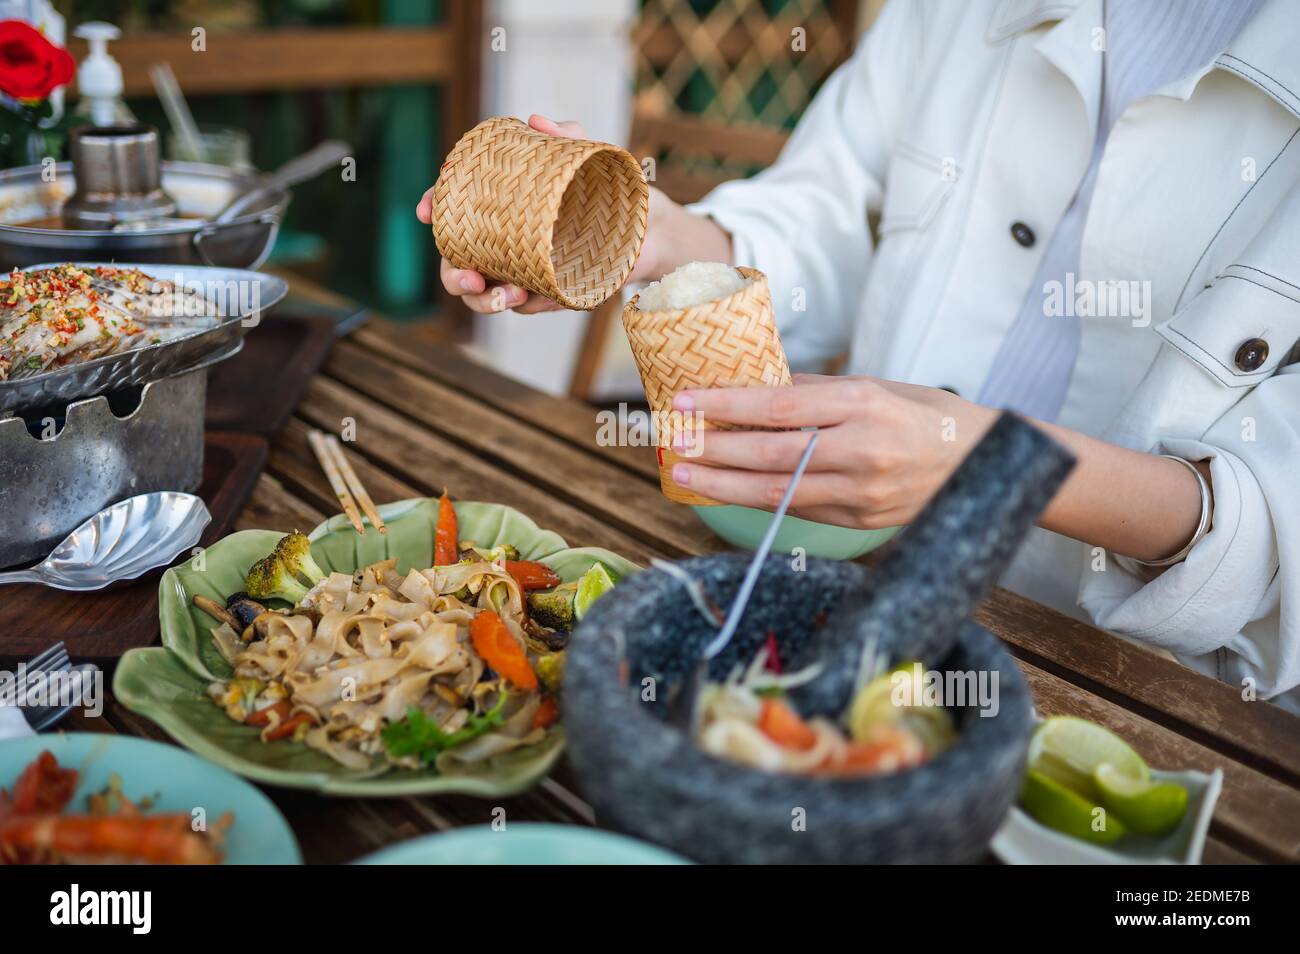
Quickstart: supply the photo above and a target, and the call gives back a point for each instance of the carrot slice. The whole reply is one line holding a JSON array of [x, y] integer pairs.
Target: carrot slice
[[783, 726], [500, 650], [263, 716], [531, 575], [445, 535], [889, 749], [287, 728], [548, 713]]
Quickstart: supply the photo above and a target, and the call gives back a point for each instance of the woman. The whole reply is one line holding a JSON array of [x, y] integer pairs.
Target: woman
[[1088, 213]]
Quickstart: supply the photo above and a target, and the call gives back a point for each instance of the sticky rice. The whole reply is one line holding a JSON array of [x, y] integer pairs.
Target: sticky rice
[[691, 284]]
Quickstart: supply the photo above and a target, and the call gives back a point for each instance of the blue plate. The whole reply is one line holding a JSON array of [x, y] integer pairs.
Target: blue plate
[[172, 778], [521, 843], [744, 527]]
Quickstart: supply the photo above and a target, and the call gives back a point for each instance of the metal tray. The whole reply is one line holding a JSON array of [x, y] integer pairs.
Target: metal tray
[[151, 362]]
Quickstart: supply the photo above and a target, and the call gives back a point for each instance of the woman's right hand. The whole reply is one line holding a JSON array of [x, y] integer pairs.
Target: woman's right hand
[[481, 296]]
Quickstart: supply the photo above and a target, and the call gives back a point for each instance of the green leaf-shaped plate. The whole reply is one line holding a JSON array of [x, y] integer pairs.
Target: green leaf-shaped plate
[[168, 684]]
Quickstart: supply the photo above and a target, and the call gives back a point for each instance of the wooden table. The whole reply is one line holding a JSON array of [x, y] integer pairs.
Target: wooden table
[[428, 417]]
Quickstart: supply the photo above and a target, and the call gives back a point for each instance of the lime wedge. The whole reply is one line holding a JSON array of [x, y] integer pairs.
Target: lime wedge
[[1152, 808], [889, 701], [1063, 810], [1069, 751], [594, 583]]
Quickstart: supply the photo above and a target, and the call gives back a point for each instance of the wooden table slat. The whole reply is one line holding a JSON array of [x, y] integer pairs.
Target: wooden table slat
[[635, 507], [571, 420]]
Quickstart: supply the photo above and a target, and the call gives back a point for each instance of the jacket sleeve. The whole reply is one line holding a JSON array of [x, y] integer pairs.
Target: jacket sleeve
[[803, 221], [1232, 606]]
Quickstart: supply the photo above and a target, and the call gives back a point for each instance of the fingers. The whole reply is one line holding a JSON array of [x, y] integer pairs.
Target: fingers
[[807, 378], [811, 405], [537, 303], [461, 281], [424, 209], [565, 130], [497, 298], [759, 489], [772, 451], [472, 288], [857, 519]]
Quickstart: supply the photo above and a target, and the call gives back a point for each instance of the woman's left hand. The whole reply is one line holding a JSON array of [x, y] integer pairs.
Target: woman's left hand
[[884, 449]]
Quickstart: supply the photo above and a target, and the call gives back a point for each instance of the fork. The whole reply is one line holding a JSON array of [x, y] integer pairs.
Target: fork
[[54, 659], [51, 661], [43, 717]]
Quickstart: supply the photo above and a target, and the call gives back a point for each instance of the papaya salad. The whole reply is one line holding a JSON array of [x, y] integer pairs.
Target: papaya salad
[[445, 666], [890, 725]]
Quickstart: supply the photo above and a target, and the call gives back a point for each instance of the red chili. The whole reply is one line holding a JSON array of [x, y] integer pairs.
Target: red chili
[[531, 575]]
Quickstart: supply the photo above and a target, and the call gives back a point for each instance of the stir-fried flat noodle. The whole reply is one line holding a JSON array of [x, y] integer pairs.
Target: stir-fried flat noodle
[[359, 651]]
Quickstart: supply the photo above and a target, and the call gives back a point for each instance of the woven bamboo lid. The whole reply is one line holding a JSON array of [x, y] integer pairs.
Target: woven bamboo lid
[[729, 342], [561, 217]]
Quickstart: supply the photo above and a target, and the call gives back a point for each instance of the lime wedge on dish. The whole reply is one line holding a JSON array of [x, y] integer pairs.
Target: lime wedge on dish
[[1064, 810], [1151, 808], [1070, 750], [884, 700], [594, 584]]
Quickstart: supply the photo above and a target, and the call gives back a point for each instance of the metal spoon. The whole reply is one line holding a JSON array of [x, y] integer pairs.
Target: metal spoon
[[681, 711], [299, 169], [121, 542]]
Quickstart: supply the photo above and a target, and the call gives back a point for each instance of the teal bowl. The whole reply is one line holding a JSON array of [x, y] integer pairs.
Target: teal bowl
[[524, 843], [744, 527]]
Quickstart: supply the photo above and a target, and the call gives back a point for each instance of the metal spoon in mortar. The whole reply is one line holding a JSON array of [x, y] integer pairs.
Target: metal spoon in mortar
[[681, 711], [121, 542]]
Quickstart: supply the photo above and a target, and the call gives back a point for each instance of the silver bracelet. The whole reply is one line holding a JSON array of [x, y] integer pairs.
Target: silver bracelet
[[1202, 528]]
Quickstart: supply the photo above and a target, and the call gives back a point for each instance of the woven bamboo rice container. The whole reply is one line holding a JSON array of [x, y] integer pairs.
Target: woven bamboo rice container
[[564, 218], [730, 342]]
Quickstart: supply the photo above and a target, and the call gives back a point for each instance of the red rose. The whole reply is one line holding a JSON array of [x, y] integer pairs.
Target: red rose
[[31, 67]]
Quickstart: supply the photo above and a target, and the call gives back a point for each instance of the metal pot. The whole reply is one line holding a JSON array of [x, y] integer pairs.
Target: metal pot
[[33, 194]]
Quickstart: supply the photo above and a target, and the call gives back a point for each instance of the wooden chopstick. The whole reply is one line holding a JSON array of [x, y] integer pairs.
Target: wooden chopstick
[[339, 473], [358, 488]]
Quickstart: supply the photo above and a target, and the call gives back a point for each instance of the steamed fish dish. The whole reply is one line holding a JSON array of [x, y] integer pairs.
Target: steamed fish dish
[[448, 665], [53, 317], [889, 727]]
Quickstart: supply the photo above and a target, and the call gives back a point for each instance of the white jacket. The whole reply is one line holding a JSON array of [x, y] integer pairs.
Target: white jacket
[[955, 120]]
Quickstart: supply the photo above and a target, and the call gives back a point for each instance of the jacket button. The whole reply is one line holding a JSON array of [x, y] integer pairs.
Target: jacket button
[[1252, 354], [1023, 234]]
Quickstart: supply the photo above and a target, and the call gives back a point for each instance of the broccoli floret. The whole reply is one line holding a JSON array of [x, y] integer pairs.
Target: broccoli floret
[[472, 553], [268, 579], [554, 608], [286, 573], [294, 551], [550, 670]]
